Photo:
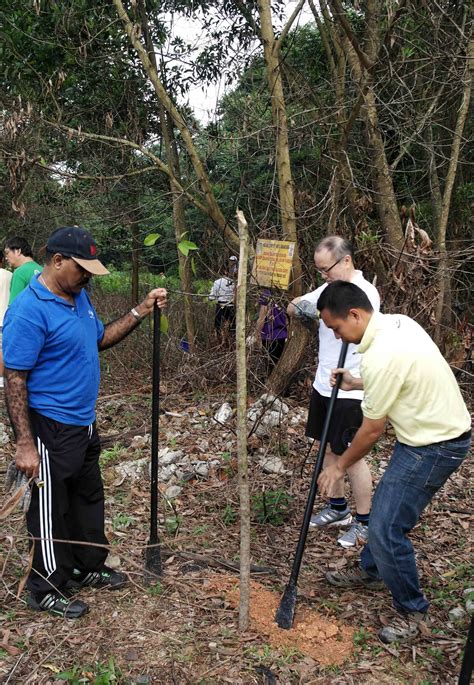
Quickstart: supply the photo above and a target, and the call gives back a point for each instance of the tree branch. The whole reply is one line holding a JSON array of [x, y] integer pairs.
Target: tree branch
[[287, 27], [340, 13]]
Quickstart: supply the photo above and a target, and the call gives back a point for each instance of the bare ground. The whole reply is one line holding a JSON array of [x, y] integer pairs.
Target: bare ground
[[183, 628]]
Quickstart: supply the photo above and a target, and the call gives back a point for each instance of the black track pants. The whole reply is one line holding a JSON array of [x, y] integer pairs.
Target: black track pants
[[70, 506]]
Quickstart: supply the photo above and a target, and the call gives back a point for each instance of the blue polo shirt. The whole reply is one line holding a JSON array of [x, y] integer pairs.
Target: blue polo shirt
[[57, 342]]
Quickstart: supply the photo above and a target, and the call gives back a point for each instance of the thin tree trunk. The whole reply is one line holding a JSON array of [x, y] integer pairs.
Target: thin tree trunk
[[443, 271], [136, 249], [213, 208], [271, 48], [289, 364], [179, 219], [242, 425], [362, 63], [179, 222]]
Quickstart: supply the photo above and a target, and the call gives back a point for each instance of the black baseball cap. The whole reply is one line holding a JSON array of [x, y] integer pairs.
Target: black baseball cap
[[77, 243]]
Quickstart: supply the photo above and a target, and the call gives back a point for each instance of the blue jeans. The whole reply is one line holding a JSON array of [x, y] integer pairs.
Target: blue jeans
[[411, 479]]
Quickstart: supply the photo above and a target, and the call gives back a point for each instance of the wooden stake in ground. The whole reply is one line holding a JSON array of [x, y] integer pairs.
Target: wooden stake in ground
[[242, 424]]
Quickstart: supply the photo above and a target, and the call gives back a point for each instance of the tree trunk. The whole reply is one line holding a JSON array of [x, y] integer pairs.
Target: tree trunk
[[179, 222], [296, 346], [242, 425], [362, 63], [443, 271], [214, 210], [179, 219], [271, 48], [136, 249]]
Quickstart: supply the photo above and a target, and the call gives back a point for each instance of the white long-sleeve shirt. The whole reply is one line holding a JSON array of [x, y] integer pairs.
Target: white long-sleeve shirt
[[223, 291]]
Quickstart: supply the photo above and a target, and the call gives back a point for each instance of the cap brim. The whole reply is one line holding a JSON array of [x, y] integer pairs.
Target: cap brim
[[93, 266]]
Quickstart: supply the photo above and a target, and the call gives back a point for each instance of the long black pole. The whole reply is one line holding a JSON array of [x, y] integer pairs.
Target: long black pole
[[153, 552], [468, 660], [286, 610]]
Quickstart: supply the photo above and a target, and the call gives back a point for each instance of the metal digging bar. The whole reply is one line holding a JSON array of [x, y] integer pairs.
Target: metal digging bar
[[468, 659], [153, 552], [286, 610]]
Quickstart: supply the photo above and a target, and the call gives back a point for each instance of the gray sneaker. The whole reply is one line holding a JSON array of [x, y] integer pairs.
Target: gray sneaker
[[403, 627], [353, 577], [356, 535], [330, 517]]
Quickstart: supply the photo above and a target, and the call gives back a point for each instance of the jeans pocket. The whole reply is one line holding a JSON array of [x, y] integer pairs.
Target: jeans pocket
[[444, 465]]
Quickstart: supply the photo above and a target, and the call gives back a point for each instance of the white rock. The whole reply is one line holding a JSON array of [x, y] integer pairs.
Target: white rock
[[469, 597], [165, 473], [4, 439], [224, 413], [173, 491], [456, 613], [268, 398], [113, 561], [253, 413], [272, 465], [273, 403], [168, 457], [140, 442], [202, 469], [271, 419], [132, 470]]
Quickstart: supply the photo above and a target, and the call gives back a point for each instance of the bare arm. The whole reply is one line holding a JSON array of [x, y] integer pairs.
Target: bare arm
[[291, 310], [27, 458], [349, 382], [119, 329], [261, 317], [365, 438]]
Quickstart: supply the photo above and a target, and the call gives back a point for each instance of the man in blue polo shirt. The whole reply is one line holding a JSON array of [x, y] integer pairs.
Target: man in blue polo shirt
[[51, 343]]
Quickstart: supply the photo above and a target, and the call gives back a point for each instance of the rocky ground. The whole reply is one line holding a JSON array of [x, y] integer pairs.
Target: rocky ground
[[183, 627]]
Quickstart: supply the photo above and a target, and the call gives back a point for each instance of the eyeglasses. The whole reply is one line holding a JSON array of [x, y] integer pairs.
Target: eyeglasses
[[324, 272]]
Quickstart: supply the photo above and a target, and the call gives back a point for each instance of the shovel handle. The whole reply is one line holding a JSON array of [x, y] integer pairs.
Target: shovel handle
[[317, 470], [155, 418]]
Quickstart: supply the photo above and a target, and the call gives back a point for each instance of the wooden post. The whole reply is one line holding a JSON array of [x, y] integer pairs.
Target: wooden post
[[242, 424]]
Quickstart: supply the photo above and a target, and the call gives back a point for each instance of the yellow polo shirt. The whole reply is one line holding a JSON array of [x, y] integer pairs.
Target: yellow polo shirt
[[407, 379]]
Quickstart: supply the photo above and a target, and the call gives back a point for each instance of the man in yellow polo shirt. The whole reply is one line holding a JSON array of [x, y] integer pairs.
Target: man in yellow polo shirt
[[406, 381]]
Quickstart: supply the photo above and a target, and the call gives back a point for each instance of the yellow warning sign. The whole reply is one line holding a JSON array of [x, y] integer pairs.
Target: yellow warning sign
[[273, 262]]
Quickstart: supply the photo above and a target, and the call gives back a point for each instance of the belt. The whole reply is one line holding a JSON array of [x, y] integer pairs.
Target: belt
[[461, 438]]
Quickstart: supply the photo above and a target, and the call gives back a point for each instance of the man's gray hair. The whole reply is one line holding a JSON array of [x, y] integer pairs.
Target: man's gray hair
[[337, 246]]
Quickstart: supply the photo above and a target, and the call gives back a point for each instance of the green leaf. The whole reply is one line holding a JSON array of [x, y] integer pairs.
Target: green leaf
[[151, 239], [185, 246], [193, 265], [164, 324]]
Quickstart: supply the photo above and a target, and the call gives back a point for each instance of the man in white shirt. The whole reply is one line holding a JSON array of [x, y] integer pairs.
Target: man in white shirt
[[223, 292], [333, 258], [5, 280]]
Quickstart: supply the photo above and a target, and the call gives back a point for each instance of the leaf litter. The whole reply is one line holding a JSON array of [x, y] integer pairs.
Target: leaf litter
[[184, 628]]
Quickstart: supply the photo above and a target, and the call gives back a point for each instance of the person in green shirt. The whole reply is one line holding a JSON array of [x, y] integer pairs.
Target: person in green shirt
[[19, 256]]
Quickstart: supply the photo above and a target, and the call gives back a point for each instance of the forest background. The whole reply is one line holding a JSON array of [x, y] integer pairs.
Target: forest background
[[354, 122]]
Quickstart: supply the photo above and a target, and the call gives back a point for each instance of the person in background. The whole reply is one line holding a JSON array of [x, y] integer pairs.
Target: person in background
[[5, 281], [334, 260], [233, 266], [271, 330], [223, 293], [52, 337], [19, 256]]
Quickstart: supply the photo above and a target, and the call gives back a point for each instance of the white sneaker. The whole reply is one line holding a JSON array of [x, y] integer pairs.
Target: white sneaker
[[330, 517], [356, 535]]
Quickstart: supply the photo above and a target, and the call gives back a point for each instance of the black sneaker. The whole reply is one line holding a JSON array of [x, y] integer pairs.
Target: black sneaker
[[59, 605], [105, 578]]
